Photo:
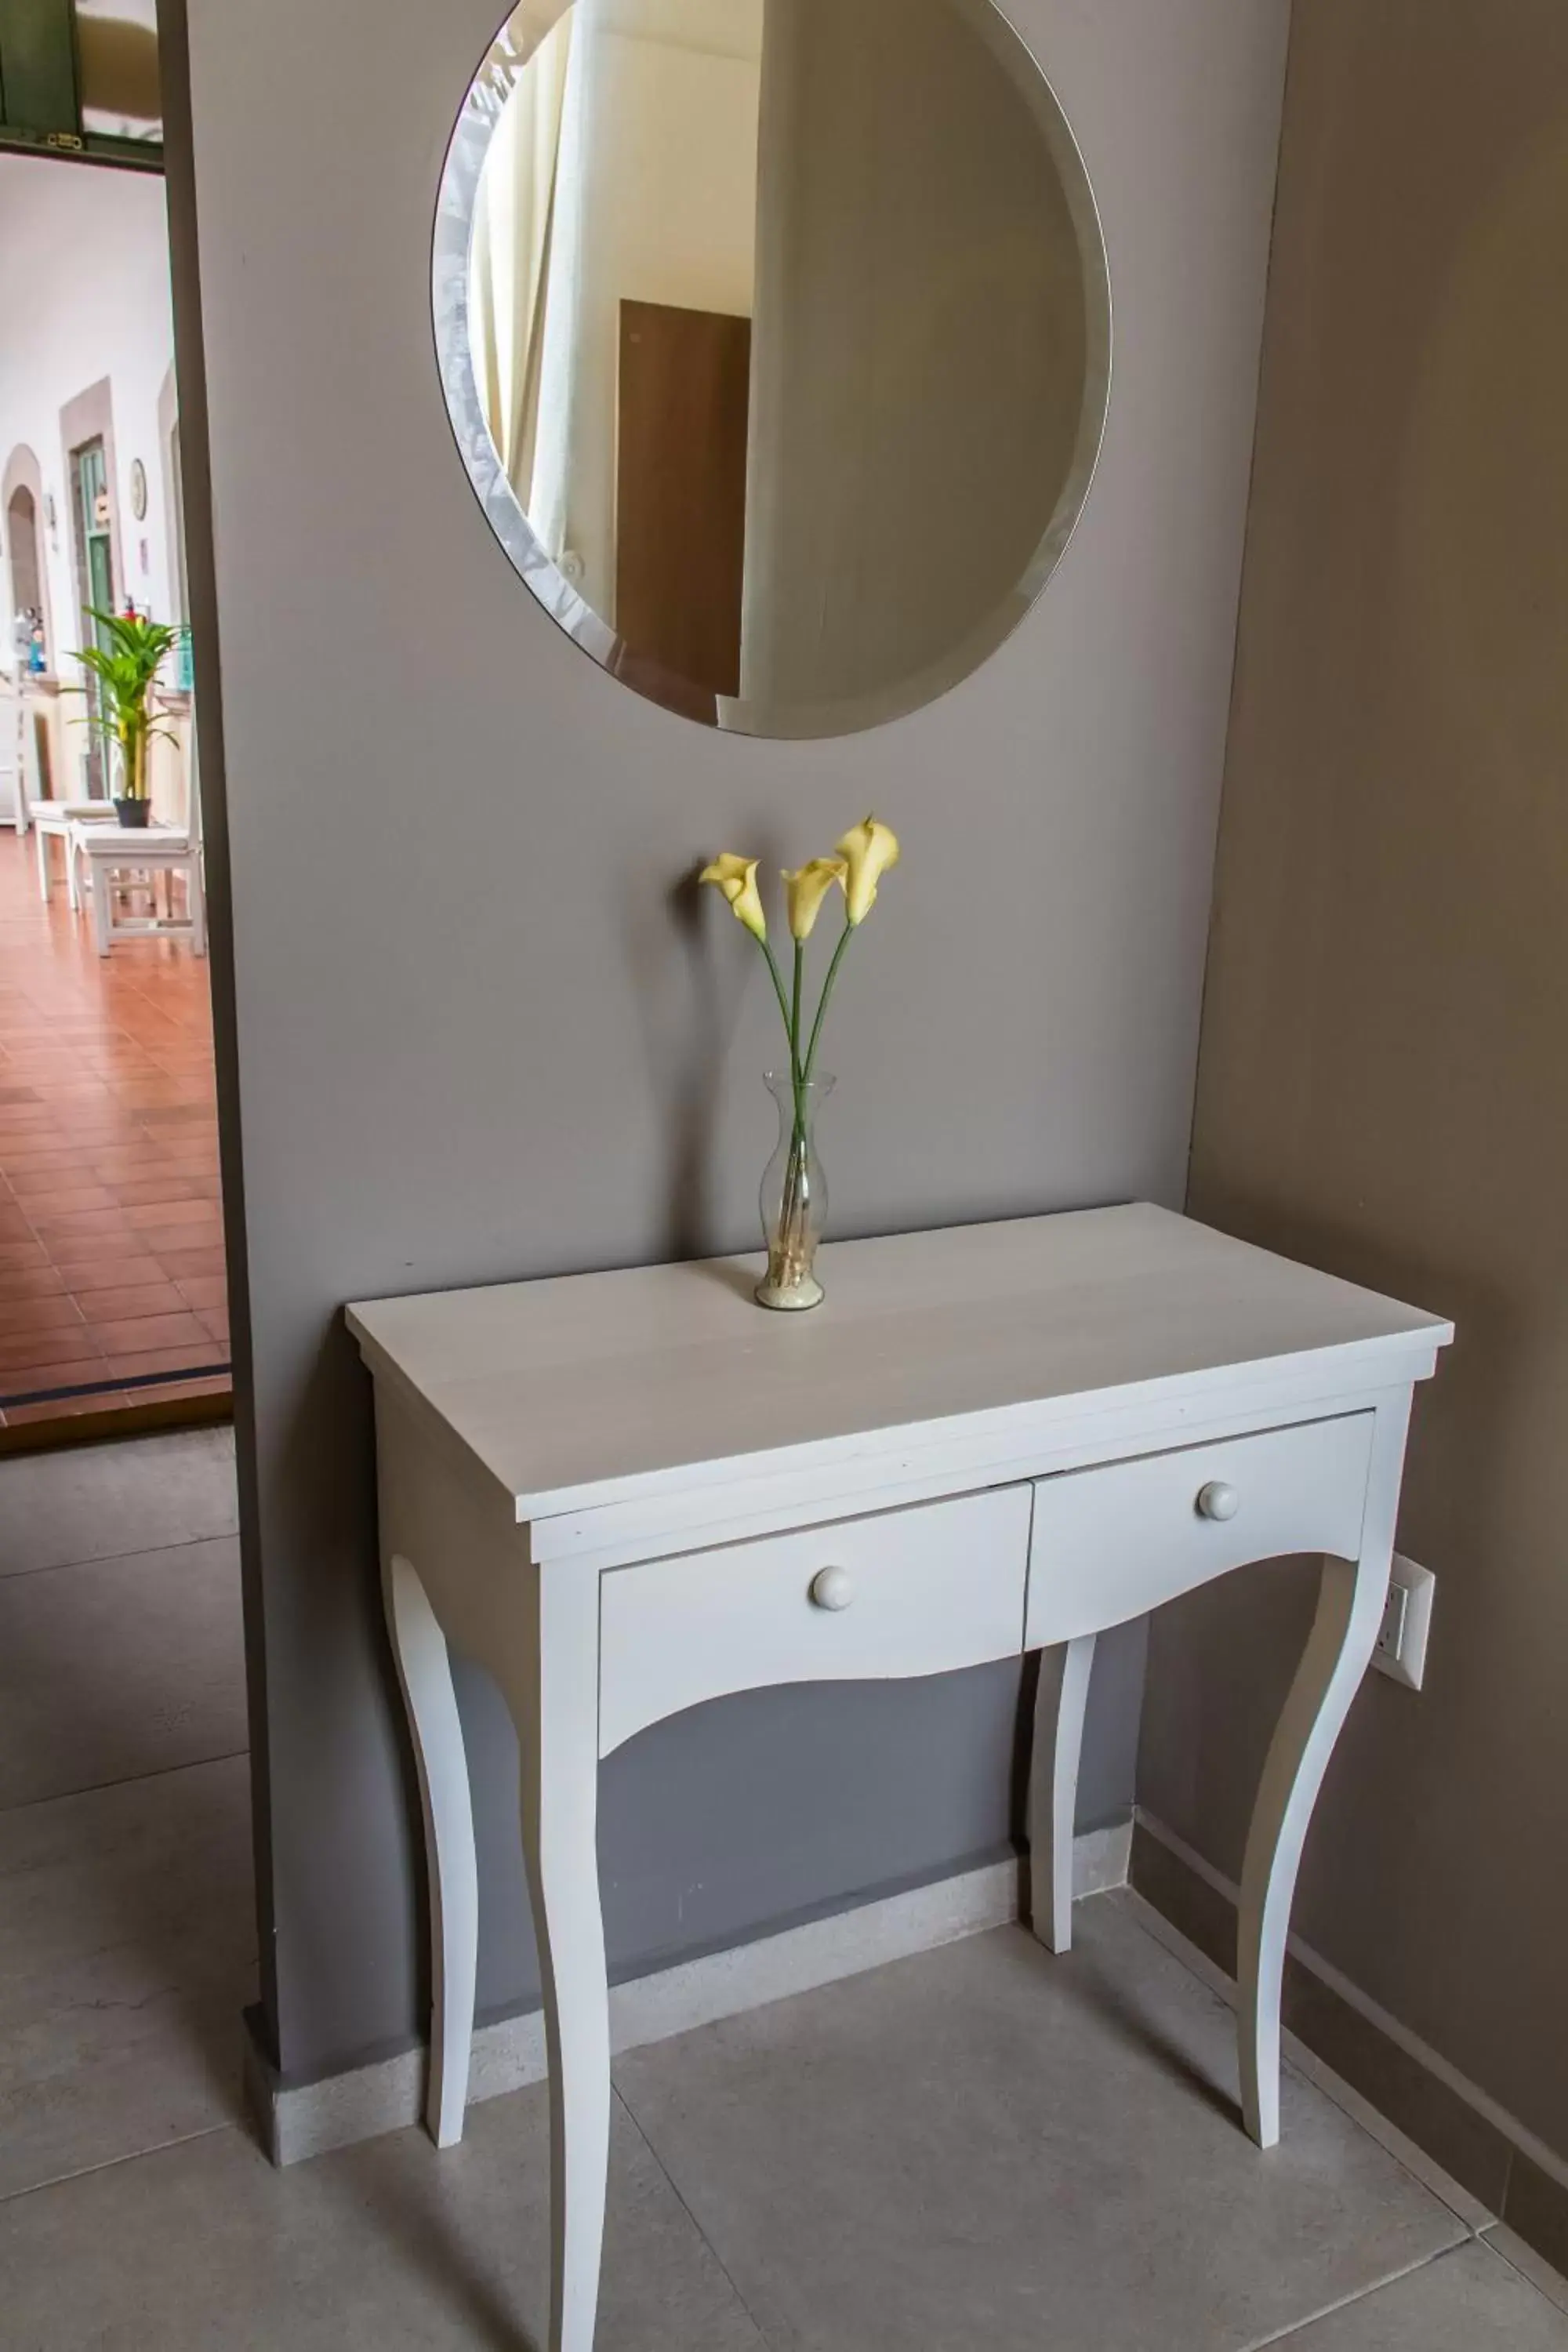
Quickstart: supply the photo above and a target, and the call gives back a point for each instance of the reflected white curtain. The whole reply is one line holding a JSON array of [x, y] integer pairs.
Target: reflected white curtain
[[511, 261], [560, 344]]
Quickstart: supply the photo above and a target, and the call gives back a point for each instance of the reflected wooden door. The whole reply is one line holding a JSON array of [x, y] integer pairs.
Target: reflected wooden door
[[681, 499]]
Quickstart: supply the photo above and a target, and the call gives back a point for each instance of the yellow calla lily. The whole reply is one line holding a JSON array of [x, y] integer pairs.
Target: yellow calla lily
[[808, 888], [869, 850], [737, 878]]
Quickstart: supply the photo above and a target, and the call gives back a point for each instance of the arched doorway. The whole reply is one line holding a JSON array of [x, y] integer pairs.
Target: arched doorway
[[22, 537], [24, 590], [22, 491]]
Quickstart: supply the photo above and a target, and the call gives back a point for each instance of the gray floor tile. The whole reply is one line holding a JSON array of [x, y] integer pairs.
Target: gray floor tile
[[118, 1667], [95, 1502], [127, 1952], [1521, 2257], [1466, 2301], [987, 2146], [1461, 2200], [384, 2247]]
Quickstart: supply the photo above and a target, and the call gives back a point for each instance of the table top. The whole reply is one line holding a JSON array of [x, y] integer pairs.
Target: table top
[[585, 1391], [97, 834]]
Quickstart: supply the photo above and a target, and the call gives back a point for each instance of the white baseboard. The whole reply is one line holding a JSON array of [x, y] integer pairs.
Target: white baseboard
[[1432, 2061], [307, 2119]]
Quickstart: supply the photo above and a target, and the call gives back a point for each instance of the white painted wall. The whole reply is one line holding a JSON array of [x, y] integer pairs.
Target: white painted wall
[[84, 294]]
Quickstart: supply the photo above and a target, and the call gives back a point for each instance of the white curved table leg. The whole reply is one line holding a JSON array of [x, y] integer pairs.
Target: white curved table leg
[[557, 1725], [424, 1673], [1053, 1787], [1339, 1649]]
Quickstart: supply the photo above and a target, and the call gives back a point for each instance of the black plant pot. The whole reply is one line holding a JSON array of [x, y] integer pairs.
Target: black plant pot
[[137, 814]]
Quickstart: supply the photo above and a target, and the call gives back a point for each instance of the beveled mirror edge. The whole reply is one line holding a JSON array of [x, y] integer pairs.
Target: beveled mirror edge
[[455, 207], [449, 287]]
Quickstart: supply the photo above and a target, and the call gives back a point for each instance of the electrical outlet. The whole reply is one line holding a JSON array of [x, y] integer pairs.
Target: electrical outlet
[[1401, 1652]]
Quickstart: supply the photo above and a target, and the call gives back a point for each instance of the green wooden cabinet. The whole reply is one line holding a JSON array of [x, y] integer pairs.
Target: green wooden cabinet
[[37, 67], [42, 84]]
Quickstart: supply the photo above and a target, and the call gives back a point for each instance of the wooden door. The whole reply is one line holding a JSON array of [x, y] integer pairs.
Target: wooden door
[[680, 501]]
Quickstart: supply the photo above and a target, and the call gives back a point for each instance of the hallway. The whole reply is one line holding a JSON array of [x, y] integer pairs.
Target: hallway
[[112, 1259]]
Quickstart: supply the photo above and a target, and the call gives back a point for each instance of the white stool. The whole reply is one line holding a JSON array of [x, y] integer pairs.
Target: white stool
[[105, 850], [52, 821]]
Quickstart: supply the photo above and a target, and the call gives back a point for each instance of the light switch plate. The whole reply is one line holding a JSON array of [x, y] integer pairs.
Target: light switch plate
[[1401, 1652]]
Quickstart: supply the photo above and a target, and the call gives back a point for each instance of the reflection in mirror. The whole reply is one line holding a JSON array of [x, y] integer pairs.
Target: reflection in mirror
[[776, 334], [117, 59]]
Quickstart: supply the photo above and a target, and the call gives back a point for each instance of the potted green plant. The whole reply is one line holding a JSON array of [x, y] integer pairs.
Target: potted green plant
[[125, 668]]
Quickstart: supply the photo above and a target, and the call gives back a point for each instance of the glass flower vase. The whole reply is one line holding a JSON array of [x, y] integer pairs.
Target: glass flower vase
[[794, 1197]]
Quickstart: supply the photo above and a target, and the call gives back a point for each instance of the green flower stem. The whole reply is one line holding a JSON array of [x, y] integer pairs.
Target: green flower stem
[[791, 1032], [797, 1074], [777, 977], [801, 1069], [844, 938], [791, 1008], [796, 1068]]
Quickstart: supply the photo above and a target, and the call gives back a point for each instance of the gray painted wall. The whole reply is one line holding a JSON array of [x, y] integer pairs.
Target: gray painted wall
[[1382, 1073], [897, 153], [478, 1034]]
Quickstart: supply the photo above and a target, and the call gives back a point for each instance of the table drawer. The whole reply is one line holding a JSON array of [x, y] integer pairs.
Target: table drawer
[[1110, 1543], [909, 1592]]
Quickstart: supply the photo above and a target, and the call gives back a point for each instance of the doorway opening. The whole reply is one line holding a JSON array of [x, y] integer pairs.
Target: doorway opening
[[113, 1292], [22, 531], [96, 595]]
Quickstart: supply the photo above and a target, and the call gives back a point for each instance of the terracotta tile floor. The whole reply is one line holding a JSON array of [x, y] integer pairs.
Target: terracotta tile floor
[[111, 1264]]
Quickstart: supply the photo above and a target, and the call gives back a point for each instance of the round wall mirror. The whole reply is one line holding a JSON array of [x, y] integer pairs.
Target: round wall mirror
[[775, 335]]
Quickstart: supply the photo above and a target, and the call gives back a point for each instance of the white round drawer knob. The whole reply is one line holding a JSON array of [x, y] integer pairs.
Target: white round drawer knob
[[832, 1588], [1218, 1501]]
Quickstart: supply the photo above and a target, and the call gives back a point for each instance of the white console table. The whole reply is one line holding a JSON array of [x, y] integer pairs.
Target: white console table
[[629, 1493]]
